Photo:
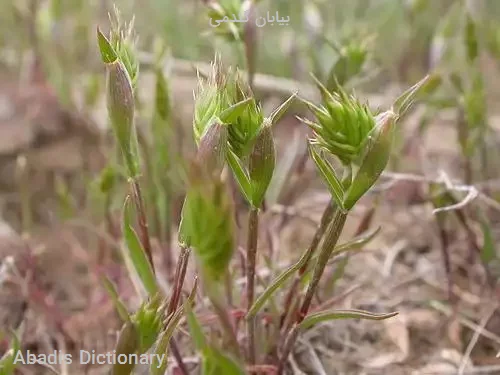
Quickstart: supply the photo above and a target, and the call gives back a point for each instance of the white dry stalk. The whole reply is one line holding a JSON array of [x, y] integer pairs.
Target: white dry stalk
[[475, 338], [472, 193]]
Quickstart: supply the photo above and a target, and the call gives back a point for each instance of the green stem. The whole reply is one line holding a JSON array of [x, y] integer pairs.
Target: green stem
[[252, 239], [329, 243], [225, 319], [143, 223], [180, 275], [332, 236], [326, 218]]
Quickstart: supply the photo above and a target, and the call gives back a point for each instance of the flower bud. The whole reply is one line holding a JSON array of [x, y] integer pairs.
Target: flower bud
[[212, 148], [375, 157], [207, 222], [261, 164], [121, 109]]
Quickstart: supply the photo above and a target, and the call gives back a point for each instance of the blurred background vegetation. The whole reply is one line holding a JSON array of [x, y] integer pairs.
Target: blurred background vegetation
[[402, 36]]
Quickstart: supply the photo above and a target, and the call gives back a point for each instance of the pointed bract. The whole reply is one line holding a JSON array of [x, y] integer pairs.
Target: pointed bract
[[376, 156]]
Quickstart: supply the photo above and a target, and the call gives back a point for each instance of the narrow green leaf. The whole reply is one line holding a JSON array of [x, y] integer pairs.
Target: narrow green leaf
[[157, 367], [7, 362], [329, 176], [325, 316], [200, 341], [278, 113], [215, 362], [232, 113], [161, 350], [405, 100], [356, 242], [115, 297], [128, 343], [240, 174], [137, 254], [275, 285], [108, 53], [375, 158]]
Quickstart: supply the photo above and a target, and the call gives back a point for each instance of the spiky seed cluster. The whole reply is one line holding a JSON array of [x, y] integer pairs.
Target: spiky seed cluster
[[246, 127], [349, 64], [149, 321], [124, 40], [210, 99], [215, 96], [343, 124], [217, 10]]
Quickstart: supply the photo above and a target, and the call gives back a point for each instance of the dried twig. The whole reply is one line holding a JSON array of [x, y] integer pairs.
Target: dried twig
[[475, 338]]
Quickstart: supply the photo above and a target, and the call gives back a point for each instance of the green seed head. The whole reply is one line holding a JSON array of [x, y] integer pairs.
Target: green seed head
[[123, 40], [210, 99], [148, 320], [244, 130], [217, 10], [353, 56], [342, 124]]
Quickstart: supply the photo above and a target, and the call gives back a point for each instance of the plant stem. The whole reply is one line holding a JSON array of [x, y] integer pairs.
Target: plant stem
[[180, 274], [332, 236], [252, 239], [178, 357], [326, 218], [292, 336], [225, 319], [143, 223]]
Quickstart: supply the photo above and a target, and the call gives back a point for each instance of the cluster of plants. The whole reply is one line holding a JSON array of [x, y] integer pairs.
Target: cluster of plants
[[350, 145]]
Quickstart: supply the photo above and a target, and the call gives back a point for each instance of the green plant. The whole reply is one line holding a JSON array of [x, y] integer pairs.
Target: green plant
[[232, 133], [8, 360]]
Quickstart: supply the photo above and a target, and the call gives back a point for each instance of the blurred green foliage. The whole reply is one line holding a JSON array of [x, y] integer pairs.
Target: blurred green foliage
[[400, 32]]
